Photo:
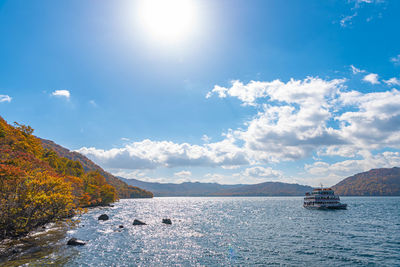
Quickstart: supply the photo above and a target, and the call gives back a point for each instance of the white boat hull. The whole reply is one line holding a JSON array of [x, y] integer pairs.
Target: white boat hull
[[326, 207]]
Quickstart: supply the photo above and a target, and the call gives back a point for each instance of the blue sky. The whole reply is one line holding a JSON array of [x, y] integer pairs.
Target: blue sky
[[248, 91]]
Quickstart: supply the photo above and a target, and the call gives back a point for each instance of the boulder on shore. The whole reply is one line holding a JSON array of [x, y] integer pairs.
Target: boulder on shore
[[166, 221], [103, 217], [137, 222], [75, 242]]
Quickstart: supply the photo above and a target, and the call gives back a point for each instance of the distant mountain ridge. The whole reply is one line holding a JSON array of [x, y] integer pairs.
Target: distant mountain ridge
[[267, 189], [215, 189], [376, 182], [182, 189]]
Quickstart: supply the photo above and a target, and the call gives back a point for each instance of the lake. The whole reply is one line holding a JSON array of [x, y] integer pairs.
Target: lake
[[235, 231]]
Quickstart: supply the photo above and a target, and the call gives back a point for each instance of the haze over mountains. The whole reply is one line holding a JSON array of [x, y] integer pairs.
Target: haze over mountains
[[215, 189], [376, 182]]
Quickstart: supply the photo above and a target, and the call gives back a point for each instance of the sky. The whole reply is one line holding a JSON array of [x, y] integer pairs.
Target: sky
[[220, 91]]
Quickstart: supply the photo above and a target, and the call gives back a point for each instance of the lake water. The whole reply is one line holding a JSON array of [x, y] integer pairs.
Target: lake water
[[233, 231]]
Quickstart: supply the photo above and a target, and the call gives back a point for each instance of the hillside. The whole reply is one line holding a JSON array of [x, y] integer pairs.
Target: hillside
[[124, 190], [376, 182], [215, 189], [38, 185]]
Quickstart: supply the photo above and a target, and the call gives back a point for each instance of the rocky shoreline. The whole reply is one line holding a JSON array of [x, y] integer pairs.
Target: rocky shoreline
[[39, 242]]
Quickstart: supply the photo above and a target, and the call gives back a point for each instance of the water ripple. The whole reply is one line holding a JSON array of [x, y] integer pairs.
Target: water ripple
[[238, 232]]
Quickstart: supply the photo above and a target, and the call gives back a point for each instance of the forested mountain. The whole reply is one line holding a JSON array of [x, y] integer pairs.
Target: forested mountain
[[37, 185], [124, 190], [376, 182], [215, 189]]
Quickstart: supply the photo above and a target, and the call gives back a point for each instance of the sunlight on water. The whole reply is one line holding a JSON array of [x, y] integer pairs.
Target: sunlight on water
[[236, 231]]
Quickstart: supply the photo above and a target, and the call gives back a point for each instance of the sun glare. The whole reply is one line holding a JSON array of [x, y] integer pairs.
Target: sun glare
[[169, 20]]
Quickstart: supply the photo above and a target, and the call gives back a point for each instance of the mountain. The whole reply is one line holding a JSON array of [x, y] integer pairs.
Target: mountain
[[123, 189], [267, 189], [376, 182], [38, 186], [215, 189], [181, 190]]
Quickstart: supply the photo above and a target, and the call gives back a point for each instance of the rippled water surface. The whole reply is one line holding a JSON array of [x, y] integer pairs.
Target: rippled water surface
[[236, 231]]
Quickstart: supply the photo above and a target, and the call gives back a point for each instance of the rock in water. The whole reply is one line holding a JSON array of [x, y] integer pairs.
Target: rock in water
[[137, 222], [103, 217], [75, 242], [166, 221]]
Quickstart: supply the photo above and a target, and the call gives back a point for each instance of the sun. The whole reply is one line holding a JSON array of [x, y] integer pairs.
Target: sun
[[169, 20]]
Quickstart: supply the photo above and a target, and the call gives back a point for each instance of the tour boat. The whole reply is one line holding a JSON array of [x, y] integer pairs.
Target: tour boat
[[323, 198]]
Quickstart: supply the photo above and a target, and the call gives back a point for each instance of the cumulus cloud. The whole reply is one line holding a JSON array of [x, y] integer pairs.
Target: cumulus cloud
[[392, 81], [149, 154], [61, 93], [294, 120], [371, 78], [5, 98], [375, 122], [294, 91], [335, 172]]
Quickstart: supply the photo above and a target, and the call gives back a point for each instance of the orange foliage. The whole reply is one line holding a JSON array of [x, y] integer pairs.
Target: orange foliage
[[37, 186]]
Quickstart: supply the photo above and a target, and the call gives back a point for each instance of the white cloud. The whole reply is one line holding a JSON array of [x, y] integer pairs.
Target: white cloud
[[206, 138], [347, 20], [261, 173], [61, 93], [183, 174], [393, 81], [360, 9], [149, 154], [242, 178], [356, 70], [371, 78], [364, 1], [294, 91], [396, 59], [335, 172], [295, 120], [129, 174], [5, 98], [143, 176], [375, 122]]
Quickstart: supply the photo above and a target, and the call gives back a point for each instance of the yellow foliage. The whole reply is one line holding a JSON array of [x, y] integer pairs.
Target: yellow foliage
[[37, 186]]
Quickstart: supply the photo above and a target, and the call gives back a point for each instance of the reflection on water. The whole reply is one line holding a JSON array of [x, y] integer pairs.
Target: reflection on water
[[226, 231]]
